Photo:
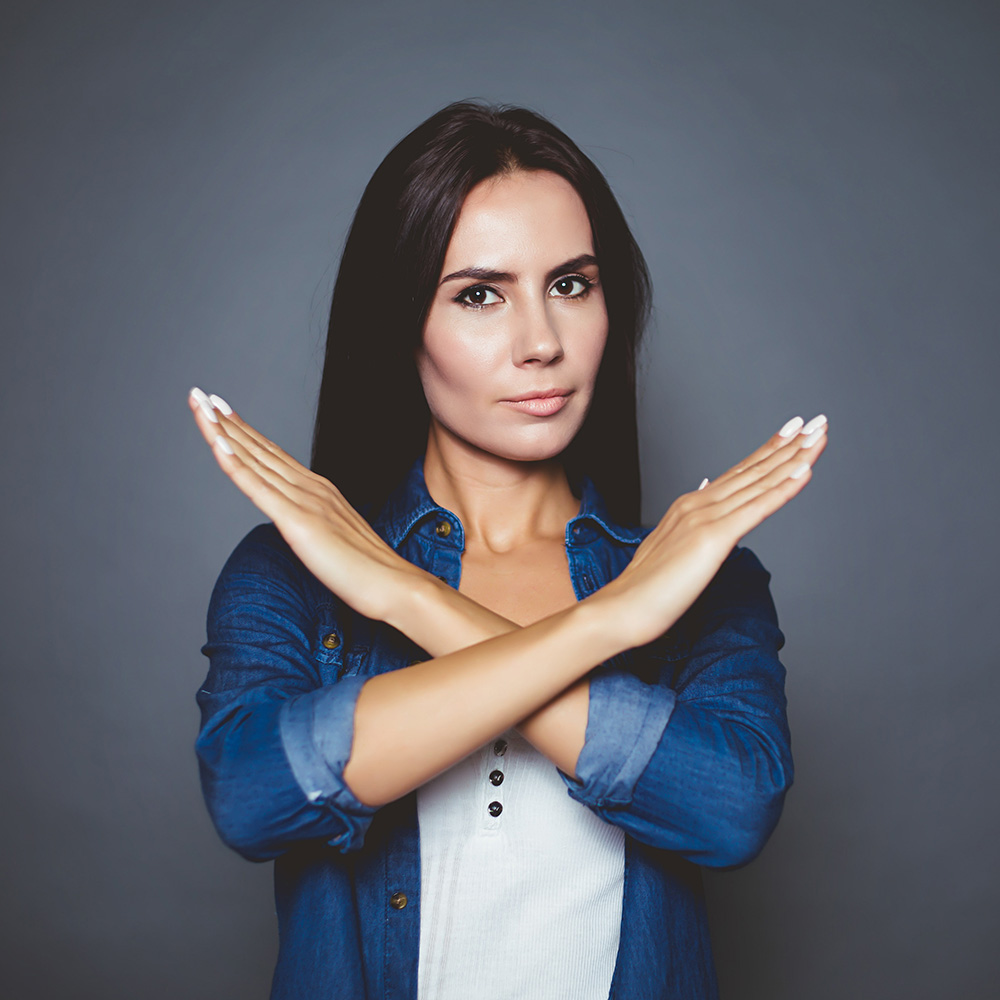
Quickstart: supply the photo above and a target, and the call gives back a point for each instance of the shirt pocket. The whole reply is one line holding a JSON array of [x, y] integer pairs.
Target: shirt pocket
[[336, 653]]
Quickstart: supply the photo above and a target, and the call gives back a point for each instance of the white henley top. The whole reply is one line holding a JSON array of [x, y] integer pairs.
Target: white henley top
[[521, 886]]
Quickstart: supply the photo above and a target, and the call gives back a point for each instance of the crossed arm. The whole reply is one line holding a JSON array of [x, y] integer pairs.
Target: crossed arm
[[483, 675], [451, 621]]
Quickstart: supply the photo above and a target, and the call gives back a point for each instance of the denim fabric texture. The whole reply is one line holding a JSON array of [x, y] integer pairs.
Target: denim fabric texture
[[687, 749]]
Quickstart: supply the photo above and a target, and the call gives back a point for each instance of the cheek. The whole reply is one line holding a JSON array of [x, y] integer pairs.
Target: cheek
[[451, 360], [594, 343]]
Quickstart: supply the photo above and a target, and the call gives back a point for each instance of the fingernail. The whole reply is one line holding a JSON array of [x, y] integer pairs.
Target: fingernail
[[813, 424], [814, 437], [220, 404], [791, 427], [199, 396], [704, 483], [224, 445], [206, 408], [799, 471]]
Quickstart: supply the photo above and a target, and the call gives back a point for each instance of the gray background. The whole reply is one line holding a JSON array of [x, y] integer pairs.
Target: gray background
[[815, 187]]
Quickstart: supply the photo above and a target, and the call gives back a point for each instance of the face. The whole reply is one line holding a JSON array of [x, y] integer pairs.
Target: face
[[519, 311]]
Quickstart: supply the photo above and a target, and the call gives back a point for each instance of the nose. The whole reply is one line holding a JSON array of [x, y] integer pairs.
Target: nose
[[536, 339]]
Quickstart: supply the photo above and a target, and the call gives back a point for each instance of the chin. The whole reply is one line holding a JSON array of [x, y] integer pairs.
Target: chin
[[506, 440], [527, 451]]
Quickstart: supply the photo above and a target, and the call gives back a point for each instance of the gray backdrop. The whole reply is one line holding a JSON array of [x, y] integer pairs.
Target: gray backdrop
[[815, 187]]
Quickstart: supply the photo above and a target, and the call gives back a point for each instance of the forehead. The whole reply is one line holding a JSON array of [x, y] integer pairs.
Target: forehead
[[527, 216]]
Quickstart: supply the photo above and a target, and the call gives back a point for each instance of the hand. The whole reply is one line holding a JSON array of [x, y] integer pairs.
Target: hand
[[681, 555], [331, 538]]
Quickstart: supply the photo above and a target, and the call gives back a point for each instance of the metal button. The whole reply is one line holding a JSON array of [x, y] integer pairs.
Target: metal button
[[397, 900], [500, 747], [496, 777], [443, 528], [495, 810], [331, 641]]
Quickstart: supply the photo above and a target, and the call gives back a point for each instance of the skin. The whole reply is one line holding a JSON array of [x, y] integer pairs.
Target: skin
[[524, 322], [495, 468], [542, 325]]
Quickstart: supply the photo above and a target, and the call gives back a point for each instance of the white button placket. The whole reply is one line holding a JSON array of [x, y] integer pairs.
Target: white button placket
[[493, 758]]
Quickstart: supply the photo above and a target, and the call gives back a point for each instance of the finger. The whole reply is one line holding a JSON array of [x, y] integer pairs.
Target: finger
[[270, 455], [740, 475], [786, 434], [772, 444], [274, 459], [744, 518], [798, 465], [214, 421], [205, 417], [243, 456], [259, 439], [213, 427], [268, 498]]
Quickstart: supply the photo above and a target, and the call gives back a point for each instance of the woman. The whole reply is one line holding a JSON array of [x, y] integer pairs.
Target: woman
[[454, 618]]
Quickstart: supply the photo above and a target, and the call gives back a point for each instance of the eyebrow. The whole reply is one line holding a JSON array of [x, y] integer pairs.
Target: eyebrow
[[485, 274]]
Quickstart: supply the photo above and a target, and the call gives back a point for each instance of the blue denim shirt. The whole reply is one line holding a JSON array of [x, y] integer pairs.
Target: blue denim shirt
[[686, 749]]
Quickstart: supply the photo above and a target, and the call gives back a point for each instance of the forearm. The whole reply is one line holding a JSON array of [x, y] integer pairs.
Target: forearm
[[411, 724], [441, 620], [697, 762], [445, 621]]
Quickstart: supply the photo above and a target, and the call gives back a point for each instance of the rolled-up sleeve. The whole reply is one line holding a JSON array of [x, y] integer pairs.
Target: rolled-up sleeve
[[274, 739], [699, 760]]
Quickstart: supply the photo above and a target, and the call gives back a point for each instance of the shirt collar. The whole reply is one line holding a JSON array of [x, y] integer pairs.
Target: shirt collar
[[410, 503]]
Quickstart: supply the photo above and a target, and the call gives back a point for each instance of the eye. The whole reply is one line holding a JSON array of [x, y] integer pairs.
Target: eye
[[572, 286], [477, 296]]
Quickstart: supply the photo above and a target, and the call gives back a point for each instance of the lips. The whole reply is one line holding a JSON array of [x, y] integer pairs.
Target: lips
[[539, 405], [538, 394]]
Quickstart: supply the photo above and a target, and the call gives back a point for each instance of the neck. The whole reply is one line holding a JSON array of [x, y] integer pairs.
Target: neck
[[502, 503]]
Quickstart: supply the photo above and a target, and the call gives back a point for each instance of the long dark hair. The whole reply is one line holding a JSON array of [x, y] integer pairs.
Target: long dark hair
[[372, 419]]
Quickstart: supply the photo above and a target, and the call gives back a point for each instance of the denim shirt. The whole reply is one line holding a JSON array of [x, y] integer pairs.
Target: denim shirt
[[686, 749]]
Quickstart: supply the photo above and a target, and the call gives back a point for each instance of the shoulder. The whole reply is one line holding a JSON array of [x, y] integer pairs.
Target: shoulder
[[264, 552], [262, 543], [268, 611], [263, 568]]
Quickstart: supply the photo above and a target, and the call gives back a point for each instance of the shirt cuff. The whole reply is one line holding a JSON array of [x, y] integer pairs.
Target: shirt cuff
[[625, 722], [317, 732]]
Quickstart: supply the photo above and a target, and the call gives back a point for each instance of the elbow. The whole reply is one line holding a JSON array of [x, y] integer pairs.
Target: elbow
[[747, 820], [248, 797], [263, 834], [240, 827], [254, 796], [245, 841], [260, 823], [741, 838], [242, 813]]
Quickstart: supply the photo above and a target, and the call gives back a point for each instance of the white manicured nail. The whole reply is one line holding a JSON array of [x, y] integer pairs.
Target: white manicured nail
[[206, 408], [791, 427], [704, 483], [223, 445], [220, 404], [199, 396], [813, 424], [814, 437], [799, 471]]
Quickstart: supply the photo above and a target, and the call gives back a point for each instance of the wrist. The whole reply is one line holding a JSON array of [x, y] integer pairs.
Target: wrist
[[611, 614], [410, 597]]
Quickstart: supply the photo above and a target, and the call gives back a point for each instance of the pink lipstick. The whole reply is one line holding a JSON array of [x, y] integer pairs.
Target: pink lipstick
[[541, 405]]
